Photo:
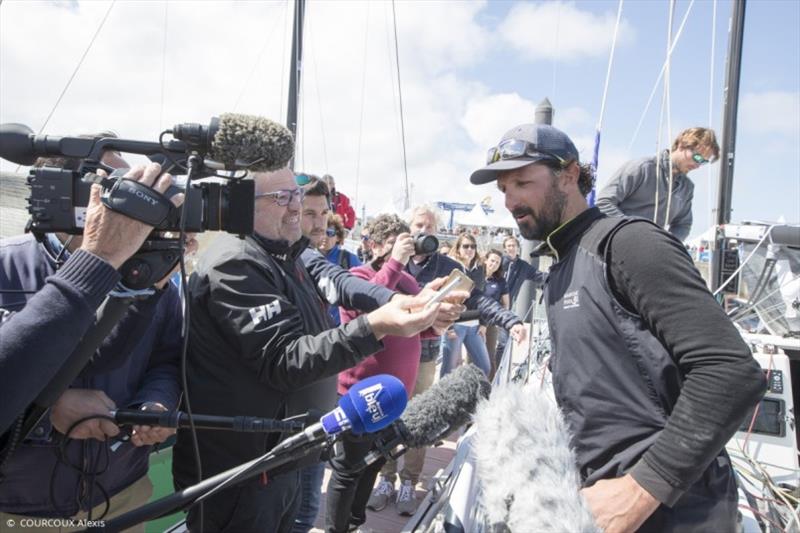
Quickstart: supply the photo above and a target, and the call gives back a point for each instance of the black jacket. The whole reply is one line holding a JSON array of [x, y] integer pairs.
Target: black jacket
[[259, 345]]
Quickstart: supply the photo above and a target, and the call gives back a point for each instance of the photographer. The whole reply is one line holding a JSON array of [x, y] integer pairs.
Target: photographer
[[70, 280], [260, 344], [425, 268]]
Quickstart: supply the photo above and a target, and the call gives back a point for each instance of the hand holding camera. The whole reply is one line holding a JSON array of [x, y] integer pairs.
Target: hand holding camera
[[113, 236]]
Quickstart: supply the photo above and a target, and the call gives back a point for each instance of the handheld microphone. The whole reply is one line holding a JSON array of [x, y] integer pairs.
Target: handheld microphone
[[525, 465], [369, 406], [179, 419], [432, 415]]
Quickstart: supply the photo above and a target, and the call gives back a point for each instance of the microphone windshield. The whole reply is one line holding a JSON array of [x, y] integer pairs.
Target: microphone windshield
[[257, 143], [526, 467], [371, 404], [446, 406]]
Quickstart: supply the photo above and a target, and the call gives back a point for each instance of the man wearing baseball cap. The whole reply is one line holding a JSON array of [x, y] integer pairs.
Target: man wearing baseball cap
[[644, 359]]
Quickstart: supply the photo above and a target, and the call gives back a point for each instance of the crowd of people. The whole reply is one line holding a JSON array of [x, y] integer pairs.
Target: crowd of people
[[286, 320]]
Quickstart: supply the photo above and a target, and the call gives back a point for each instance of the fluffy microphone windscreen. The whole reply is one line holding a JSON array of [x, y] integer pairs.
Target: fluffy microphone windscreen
[[447, 405], [246, 138], [525, 464]]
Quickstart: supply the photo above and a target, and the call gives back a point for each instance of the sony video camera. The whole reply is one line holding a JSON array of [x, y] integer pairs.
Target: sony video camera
[[232, 142]]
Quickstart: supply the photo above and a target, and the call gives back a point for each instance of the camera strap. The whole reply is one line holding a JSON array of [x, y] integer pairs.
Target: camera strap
[[137, 201]]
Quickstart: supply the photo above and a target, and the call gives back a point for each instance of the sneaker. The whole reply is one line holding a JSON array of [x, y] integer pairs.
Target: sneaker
[[406, 499], [381, 495]]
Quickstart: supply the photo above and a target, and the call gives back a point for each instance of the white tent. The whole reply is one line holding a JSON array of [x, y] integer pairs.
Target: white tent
[[476, 217]]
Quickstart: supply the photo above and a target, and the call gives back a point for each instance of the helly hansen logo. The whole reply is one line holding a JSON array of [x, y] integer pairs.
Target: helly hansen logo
[[571, 300], [262, 313]]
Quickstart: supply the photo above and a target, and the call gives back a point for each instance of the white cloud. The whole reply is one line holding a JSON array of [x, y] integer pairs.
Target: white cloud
[[771, 112], [560, 30], [488, 117]]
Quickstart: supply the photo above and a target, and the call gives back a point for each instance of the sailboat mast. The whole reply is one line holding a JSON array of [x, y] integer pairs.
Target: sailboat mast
[[728, 143], [294, 70]]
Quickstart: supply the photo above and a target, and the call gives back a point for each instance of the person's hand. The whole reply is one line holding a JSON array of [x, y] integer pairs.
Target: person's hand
[[619, 505], [149, 435], [482, 332], [397, 318], [518, 332], [113, 236], [75, 404], [403, 248]]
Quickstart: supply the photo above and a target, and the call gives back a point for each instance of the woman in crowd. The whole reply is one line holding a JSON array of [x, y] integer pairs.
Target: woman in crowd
[[469, 333], [348, 490], [495, 287], [331, 247]]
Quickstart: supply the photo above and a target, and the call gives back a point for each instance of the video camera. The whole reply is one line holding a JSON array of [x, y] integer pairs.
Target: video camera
[[231, 142]]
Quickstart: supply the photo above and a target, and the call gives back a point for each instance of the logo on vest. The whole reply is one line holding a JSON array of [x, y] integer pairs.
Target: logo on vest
[[262, 313], [571, 300]]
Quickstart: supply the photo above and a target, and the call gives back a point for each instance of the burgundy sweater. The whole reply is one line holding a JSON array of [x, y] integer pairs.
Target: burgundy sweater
[[400, 355]]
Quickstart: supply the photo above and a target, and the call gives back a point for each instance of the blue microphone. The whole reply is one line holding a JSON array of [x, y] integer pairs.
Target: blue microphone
[[369, 406]]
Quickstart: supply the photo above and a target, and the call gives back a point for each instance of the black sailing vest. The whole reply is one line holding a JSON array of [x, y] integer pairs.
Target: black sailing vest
[[616, 383]]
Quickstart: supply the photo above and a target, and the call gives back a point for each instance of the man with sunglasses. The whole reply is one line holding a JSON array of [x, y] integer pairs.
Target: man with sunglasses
[[644, 361], [640, 184], [260, 344]]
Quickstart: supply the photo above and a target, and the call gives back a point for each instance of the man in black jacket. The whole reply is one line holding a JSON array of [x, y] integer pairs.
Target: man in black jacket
[[259, 342], [644, 360]]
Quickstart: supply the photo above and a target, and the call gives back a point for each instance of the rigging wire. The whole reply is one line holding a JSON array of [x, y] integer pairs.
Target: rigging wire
[[555, 50], [283, 58], [668, 98], [163, 66], [661, 74], [269, 35], [361, 114], [400, 96], [319, 100], [711, 99], [596, 154], [78, 66]]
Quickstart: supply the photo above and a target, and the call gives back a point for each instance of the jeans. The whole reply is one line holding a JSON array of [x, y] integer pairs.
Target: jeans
[[476, 349], [310, 492]]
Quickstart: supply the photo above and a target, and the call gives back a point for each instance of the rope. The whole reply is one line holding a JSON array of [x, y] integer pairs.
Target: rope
[[78, 66], [661, 74], [596, 155], [400, 96], [711, 96], [669, 112], [163, 66], [361, 114]]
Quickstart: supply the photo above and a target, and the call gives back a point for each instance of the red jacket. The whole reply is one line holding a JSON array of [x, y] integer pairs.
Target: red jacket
[[341, 206]]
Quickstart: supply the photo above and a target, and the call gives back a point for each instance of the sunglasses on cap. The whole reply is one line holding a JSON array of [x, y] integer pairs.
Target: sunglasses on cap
[[282, 197], [302, 179], [513, 148], [699, 159]]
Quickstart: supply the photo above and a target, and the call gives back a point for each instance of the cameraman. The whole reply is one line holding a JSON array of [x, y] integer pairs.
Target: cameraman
[[260, 344], [70, 280]]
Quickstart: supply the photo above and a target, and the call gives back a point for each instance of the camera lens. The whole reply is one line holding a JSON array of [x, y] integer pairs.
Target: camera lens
[[425, 244]]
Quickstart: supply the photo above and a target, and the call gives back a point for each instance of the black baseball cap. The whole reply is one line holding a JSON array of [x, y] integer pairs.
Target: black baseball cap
[[524, 145]]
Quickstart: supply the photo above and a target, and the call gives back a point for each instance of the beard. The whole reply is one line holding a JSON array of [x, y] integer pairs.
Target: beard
[[547, 220]]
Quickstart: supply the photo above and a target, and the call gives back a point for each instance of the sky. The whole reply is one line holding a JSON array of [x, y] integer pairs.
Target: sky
[[468, 71]]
